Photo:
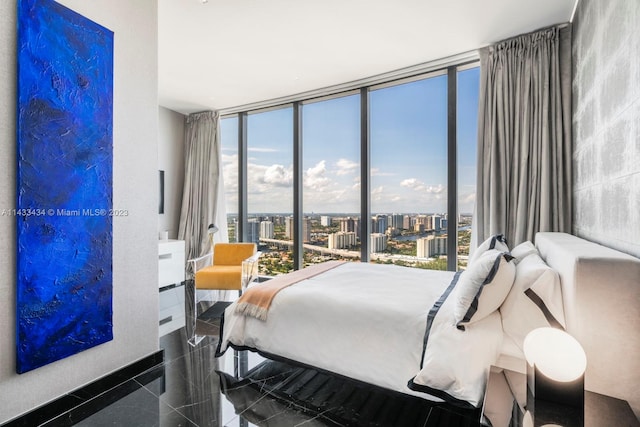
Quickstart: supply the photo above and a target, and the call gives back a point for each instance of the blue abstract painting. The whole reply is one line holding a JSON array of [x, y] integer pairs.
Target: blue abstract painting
[[64, 184]]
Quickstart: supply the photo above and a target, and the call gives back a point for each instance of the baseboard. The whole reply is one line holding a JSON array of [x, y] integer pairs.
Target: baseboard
[[83, 394]]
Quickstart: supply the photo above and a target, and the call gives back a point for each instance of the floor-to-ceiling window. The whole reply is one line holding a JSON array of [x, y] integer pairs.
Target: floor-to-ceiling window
[[401, 130], [270, 188], [229, 157], [408, 128], [467, 130], [331, 179]]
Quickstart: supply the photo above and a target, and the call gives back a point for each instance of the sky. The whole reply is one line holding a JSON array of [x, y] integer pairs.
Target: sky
[[408, 138]]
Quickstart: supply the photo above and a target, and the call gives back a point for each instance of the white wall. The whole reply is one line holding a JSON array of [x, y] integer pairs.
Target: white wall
[[135, 183], [171, 161]]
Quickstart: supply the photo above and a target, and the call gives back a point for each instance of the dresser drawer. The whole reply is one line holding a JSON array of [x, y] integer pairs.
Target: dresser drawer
[[171, 262]]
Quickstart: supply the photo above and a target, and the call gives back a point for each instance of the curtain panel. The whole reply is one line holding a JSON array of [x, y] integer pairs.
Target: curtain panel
[[201, 190], [524, 181]]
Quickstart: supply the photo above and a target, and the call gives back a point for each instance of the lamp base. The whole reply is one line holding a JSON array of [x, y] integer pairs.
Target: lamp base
[[551, 402], [568, 393], [543, 413]]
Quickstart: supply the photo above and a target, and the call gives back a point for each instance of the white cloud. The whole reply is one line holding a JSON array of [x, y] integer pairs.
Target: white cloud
[[420, 186], [314, 177], [261, 150], [377, 194], [346, 167], [226, 158], [270, 187], [467, 200], [230, 173], [436, 189], [278, 175], [412, 183]]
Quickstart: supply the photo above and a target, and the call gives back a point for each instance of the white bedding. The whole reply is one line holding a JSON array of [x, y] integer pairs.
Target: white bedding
[[367, 321]]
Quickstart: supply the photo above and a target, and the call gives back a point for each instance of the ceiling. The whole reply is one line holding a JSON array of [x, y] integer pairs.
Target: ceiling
[[226, 53]]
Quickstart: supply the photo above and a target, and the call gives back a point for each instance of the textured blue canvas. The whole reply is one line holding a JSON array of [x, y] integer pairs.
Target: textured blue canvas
[[65, 170]]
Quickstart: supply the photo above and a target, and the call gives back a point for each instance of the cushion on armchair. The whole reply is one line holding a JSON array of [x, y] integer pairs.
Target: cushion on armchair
[[228, 277], [226, 271], [232, 253]]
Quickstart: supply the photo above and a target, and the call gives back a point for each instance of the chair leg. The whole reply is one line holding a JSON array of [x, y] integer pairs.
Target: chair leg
[[191, 313]]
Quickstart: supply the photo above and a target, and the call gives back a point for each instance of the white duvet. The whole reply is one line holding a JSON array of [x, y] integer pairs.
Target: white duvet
[[367, 321]]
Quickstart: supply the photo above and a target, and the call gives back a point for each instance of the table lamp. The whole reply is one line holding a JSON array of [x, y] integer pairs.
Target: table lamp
[[556, 365], [211, 230]]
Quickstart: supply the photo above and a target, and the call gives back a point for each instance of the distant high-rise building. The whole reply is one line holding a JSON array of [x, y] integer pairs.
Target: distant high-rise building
[[406, 222], [379, 224], [253, 231], [266, 230], [418, 227], [424, 220], [288, 227], [347, 225], [397, 221], [440, 245], [436, 222], [325, 221], [430, 246], [341, 240], [306, 229], [378, 242]]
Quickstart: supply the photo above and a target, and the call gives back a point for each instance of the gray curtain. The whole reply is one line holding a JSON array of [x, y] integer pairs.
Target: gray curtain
[[201, 174], [524, 181]]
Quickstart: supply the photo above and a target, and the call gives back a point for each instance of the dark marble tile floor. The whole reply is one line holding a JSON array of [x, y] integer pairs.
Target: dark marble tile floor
[[194, 388]]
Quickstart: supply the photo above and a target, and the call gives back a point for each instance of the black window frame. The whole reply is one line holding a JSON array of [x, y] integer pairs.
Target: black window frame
[[365, 165]]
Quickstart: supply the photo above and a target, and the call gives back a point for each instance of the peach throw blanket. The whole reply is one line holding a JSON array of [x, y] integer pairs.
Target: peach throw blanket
[[257, 300]]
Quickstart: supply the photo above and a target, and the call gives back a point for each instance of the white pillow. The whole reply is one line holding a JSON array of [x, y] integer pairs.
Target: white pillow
[[523, 250], [497, 241], [483, 286], [535, 300]]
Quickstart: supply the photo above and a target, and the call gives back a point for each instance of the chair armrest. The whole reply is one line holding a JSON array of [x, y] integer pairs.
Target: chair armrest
[[200, 262], [250, 269]]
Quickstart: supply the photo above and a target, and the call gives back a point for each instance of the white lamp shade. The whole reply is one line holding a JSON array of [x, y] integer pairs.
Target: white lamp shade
[[556, 354]]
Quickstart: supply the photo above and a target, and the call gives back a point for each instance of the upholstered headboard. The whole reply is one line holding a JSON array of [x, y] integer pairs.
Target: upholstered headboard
[[601, 291]]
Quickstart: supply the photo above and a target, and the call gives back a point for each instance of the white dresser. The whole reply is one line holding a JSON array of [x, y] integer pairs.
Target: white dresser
[[171, 275], [170, 262]]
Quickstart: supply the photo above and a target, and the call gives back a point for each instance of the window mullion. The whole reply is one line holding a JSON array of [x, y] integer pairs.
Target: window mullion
[[365, 174], [452, 170], [298, 250], [241, 232]]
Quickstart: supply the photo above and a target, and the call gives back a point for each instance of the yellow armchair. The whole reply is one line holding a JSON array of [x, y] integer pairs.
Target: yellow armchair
[[231, 266], [235, 265]]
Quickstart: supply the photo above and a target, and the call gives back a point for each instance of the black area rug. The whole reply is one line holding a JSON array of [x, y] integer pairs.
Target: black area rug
[[333, 400]]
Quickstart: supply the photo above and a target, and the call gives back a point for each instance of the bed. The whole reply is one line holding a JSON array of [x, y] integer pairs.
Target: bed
[[601, 294], [403, 329]]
